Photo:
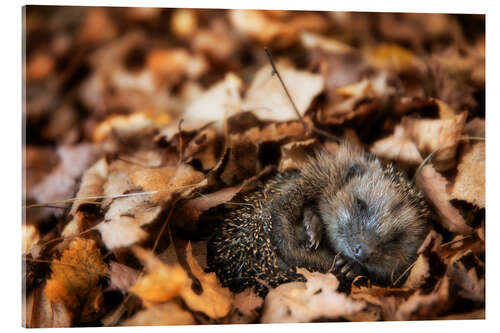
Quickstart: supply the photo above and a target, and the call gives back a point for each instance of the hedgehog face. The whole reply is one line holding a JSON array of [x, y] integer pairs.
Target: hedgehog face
[[373, 223]]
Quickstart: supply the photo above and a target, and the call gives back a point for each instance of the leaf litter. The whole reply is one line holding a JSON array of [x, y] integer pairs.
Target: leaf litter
[[144, 122]]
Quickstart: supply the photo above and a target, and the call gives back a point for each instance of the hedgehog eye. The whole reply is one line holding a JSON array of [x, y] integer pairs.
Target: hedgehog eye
[[361, 204], [353, 171]]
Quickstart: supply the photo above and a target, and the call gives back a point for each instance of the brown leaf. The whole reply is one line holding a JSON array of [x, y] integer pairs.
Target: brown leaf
[[267, 99], [306, 301], [428, 306], [295, 153], [397, 147], [469, 184], [30, 236], [74, 279], [393, 57], [311, 41], [91, 185], [169, 313], [433, 185], [214, 301], [267, 28], [215, 104], [121, 276], [161, 283], [60, 184], [40, 312], [440, 135], [427, 259]]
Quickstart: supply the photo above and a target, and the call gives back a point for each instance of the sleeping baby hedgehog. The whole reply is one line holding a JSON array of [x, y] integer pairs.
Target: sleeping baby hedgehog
[[344, 211]]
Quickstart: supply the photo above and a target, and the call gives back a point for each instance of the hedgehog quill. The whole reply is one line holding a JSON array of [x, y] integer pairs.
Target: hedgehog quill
[[346, 211]]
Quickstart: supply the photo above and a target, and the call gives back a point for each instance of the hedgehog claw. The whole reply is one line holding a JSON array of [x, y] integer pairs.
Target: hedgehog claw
[[312, 225]]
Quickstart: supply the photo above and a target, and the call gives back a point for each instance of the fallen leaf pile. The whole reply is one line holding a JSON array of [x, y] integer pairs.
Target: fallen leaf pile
[[142, 122]]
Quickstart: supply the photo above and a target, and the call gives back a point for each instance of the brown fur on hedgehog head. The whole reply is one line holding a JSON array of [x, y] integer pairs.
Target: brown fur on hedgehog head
[[370, 212]]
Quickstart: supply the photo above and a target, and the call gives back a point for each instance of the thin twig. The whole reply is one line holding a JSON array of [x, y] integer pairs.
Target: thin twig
[[275, 71], [424, 162], [403, 274], [181, 152], [299, 116]]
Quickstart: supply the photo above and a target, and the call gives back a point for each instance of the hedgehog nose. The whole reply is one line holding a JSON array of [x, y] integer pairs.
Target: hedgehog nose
[[361, 252]]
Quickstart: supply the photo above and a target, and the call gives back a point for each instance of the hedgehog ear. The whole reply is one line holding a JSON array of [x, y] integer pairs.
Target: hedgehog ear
[[355, 170]]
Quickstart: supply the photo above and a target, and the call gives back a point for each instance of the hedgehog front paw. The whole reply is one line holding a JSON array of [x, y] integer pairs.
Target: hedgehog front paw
[[346, 267], [312, 225]]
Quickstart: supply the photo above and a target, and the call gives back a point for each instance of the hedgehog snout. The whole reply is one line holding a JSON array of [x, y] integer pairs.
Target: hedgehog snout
[[361, 252]]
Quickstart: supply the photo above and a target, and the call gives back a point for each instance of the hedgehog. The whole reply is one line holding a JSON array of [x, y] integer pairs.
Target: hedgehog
[[345, 212]]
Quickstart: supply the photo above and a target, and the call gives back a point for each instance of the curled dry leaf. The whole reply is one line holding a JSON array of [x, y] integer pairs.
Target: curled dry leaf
[[311, 40], [427, 259], [122, 277], [60, 183], [433, 184], [40, 312], [214, 301], [91, 186], [357, 99], [168, 65], [393, 57], [440, 135], [30, 237], [123, 220], [397, 147], [267, 28], [295, 153], [124, 127], [428, 306], [267, 99], [166, 180], [193, 208], [306, 301], [470, 181], [161, 282], [247, 303], [218, 102], [170, 313], [74, 279]]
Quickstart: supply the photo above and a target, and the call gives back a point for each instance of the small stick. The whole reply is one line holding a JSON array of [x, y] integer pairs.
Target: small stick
[[299, 116], [275, 71], [181, 153]]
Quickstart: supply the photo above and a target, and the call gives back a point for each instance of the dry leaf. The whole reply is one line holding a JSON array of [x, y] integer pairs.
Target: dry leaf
[[217, 103], [428, 306], [214, 301], [393, 57], [60, 184], [440, 135], [40, 312], [470, 181], [161, 283], [304, 302], [311, 40], [121, 276], [267, 99], [162, 314], [266, 29], [433, 185], [397, 147], [91, 186], [30, 237], [295, 153], [123, 220], [74, 279]]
